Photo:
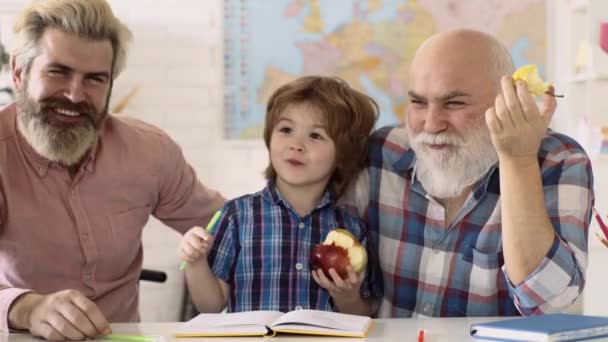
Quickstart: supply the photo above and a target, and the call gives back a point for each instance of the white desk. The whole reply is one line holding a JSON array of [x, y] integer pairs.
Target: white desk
[[436, 330]]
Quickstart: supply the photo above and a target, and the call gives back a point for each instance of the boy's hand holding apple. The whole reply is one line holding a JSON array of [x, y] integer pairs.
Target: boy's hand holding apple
[[338, 264]]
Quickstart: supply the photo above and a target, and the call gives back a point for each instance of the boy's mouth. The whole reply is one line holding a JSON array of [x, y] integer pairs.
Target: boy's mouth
[[295, 162]]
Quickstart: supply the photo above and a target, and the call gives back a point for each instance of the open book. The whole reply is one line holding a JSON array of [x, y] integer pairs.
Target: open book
[[268, 323]]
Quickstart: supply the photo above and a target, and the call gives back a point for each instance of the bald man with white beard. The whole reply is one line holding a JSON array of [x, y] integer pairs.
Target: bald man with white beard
[[475, 207]]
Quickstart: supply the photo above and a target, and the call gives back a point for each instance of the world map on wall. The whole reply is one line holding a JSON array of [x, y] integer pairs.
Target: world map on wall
[[368, 43]]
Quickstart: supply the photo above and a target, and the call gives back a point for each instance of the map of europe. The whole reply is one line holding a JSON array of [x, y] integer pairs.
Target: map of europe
[[368, 43]]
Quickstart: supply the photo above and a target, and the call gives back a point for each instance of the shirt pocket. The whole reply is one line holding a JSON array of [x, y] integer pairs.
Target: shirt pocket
[[127, 228]]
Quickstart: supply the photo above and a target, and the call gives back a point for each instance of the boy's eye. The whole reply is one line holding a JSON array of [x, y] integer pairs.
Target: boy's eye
[[316, 136], [284, 129]]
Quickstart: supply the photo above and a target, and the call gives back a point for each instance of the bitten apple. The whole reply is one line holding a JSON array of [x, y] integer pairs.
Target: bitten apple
[[340, 249], [529, 74]]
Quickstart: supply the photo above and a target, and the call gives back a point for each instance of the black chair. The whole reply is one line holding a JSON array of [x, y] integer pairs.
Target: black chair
[[154, 276]]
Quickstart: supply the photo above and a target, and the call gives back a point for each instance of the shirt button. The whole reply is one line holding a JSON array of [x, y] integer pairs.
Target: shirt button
[[298, 307], [427, 309], [87, 277], [299, 266], [85, 236], [301, 225]]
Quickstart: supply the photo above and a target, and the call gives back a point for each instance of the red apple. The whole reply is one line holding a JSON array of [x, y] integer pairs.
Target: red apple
[[340, 249], [329, 256]]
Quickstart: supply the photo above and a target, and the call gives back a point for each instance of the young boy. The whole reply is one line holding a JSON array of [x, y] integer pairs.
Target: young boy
[[316, 131]]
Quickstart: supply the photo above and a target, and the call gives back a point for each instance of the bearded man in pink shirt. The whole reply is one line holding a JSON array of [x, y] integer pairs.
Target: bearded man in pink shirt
[[77, 185]]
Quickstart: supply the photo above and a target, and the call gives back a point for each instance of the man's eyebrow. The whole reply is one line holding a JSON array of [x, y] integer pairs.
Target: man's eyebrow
[[64, 67], [452, 95], [59, 66], [444, 98], [413, 95]]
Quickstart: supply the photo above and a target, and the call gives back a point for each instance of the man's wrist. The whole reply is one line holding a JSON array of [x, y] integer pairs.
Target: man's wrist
[[21, 309], [520, 162]]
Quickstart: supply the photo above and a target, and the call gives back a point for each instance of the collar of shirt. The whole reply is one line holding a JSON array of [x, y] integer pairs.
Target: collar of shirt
[[272, 194], [42, 164]]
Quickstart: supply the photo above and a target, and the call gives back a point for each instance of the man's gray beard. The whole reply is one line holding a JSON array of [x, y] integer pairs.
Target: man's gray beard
[[446, 174], [65, 145]]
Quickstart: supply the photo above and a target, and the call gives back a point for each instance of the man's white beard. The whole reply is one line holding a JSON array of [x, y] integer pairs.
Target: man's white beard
[[65, 146], [446, 173]]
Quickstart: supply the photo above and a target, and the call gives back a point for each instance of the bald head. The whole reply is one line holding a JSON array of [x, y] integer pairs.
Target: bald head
[[468, 49]]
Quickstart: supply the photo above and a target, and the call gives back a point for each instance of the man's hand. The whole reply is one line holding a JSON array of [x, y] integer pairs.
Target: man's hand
[[516, 124], [64, 315]]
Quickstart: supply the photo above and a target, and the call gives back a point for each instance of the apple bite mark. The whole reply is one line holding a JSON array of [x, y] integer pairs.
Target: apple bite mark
[[340, 249], [529, 74]]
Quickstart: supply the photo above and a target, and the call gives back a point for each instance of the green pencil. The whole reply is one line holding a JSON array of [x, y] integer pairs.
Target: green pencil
[[209, 228], [128, 338]]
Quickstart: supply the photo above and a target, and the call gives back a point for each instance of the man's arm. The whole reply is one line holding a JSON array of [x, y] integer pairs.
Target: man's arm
[[517, 128], [184, 202], [531, 245], [527, 232]]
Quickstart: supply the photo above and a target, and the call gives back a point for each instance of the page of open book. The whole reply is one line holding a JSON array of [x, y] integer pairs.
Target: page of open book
[[250, 322], [329, 321]]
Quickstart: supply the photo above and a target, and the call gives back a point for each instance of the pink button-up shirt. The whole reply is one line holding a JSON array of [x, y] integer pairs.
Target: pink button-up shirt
[[84, 233]]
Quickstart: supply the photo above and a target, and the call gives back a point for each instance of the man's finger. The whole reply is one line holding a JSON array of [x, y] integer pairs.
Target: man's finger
[[78, 319], [549, 106], [46, 331], [64, 327], [512, 100], [528, 103], [492, 121], [93, 314], [502, 112]]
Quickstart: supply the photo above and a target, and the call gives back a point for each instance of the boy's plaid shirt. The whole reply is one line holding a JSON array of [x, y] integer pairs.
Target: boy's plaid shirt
[[262, 250]]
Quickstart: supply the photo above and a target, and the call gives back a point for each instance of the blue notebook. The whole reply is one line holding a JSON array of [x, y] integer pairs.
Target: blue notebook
[[553, 327]]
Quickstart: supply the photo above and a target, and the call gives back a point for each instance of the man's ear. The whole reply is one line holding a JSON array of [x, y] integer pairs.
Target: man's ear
[[17, 73]]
